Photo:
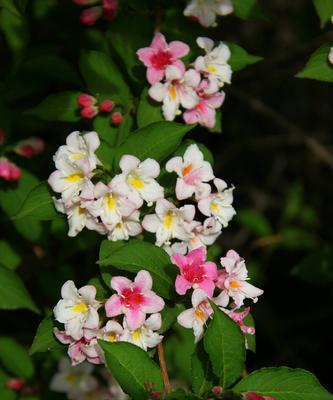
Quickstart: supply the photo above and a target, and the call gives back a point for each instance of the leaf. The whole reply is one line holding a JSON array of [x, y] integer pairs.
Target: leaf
[[247, 9], [324, 10], [102, 76], [284, 384], [9, 258], [132, 368], [217, 128], [138, 255], [15, 358], [57, 107], [318, 67], [38, 204], [202, 375], [149, 111], [44, 339], [13, 294], [254, 222], [224, 343], [240, 58], [169, 316]]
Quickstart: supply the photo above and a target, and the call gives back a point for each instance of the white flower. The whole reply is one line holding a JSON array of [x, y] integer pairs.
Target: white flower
[[330, 56], [214, 64], [207, 10], [112, 331], [219, 205], [169, 222], [192, 171], [145, 336], [137, 180], [178, 90], [126, 228], [77, 309]]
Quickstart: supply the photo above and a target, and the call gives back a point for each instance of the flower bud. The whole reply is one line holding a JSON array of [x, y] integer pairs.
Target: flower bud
[[15, 172], [117, 118], [4, 169], [217, 390], [253, 396], [89, 112], [85, 100], [110, 8], [90, 15], [2, 136], [30, 147], [15, 383], [106, 105]]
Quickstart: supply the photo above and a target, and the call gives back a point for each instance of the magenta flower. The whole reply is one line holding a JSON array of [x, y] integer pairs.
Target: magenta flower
[[160, 54], [195, 272], [134, 299]]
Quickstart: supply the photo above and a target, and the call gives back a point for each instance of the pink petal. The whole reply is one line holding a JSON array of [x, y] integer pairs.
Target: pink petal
[[208, 286], [179, 260], [154, 75], [180, 65], [135, 318], [143, 281], [158, 41], [210, 270], [197, 256], [119, 283], [182, 285], [145, 55], [113, 306], [191, 116], [178, 49], [152, 303]]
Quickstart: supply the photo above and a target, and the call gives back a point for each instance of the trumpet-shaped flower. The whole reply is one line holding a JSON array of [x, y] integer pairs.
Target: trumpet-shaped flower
[[77, 309], [195, 272], [112, 331], [145, 336], [137, 180], [134, 299], [159, 55], [206, 11], [125, 228], [169, 222], [192, 171], [219, 205], [214, 65], [178, 90]]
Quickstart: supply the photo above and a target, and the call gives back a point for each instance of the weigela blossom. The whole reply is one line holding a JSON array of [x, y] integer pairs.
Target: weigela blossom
[[159, 55], [206, 11], [238, 317], [133, 299], [30, 147], [233, 281], [330, 56], [169, 222], [219, 205], [77, 309], [126, 228], [192, 171], [214, 65], [8, 170], [195, 272], [177, 90]]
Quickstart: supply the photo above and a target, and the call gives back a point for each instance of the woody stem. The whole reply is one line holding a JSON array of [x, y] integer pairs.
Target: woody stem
[[163, 366]]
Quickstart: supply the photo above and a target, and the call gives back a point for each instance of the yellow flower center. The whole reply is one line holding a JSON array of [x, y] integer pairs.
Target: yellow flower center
[[168, 220], [112, 337], [110, 201], [74, 177], [214, 207], [172, 92], [211, 68], [199, 314], [137, 183], [136, 334], [235, 284], [80, 308], [187, 169]]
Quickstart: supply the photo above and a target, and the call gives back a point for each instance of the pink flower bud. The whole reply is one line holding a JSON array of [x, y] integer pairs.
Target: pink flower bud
[[2, 136], [30, 147], [110, 8], [148, 386], [251, 330], [15, 383], [217, 390], [117, 118], [106, 105], [89, 112], [90, 15], [155, 395], [85, 100], [253, 396], [15, 172], [4, 169]]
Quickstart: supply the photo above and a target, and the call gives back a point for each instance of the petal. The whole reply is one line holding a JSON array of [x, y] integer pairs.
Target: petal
[[222, 299], [88, 292], [145, 55], [152, 303], [210, 270], [220, 184], [92, 321], [205, 43], [186, 318], [158, 91], [208, 286], [251, 291], [163, 206], [182, 285], [151, 223], [152, 191], [179, 260], [135, 318], [69, 291], [188, 212], [143, 281], [128, 163], [149, 168], [159, 41], [194, 156], [73, 328], [120, 283], [154, 75], [175, 164], [154, 322], [197, 256], [113, 306], [172, 72], [92, 140], [191, 116], [178, 49], [198, 296]]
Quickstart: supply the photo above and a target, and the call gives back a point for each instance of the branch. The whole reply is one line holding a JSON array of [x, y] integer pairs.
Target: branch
[[163, 366]]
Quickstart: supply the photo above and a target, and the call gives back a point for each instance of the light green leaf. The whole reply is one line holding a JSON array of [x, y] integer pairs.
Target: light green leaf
[[247, 9], [284, 384], [44, 339], [132, 368], [202, 375], [318, 66], [9, 257], [224, 343], [324, 10], [13, 294], [240, 58], [149, 111], [15, 358]]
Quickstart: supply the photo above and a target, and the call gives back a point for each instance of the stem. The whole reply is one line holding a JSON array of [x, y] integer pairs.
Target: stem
[[163, 366]]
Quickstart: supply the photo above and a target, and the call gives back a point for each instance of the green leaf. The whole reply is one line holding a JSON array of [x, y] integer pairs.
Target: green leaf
[[318, 67], [57, 107], [44, 339], [38, 204], [284, 384], [149, 111], [247, 9], [132, 368], [9, 258], [202, 375], [254, 221], [103, 77], [217, 128], [224, 343], [169, 316], [324, 10], [240, 58], [13, 294], [15, 358], [138, 255]]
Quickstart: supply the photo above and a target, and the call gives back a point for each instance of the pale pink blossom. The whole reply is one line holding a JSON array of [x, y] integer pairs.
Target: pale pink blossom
[[126, 228], [159, 55], [206, 11]]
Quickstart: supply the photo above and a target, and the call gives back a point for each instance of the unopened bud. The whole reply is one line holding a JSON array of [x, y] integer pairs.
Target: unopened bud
[[85, 100], [89, 112], [217, 390], [15, 383], [106, 105], [117, 118], [253, 396], [2, 136], [90, 15], [148, 386], [15, 172], [155, 395], [30, 147]]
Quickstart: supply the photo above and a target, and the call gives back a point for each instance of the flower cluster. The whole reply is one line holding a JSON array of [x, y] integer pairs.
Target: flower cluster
[[78, 311], [196, 90], [90, 107], [205, 12], [114, 208], [205, 279], [106, 9]]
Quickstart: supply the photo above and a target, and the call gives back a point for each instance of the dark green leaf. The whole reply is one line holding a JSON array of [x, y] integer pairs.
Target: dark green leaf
[[318, 67], [9, 257], [169, 316], [247, 9], [240, 58], [324, 10], [44, 339], [15, 358], [149, 111], [255, 222], [202, 375]]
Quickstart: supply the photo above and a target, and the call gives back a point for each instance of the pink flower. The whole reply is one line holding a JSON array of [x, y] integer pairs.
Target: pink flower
[[195, 272], [30, 147], [8, 170], [160, 54], [85, 100], [90, 15], [134, 299], [238, 318]]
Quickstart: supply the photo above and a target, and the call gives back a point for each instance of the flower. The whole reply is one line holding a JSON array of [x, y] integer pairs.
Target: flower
[[233, 281], [90, 15], [195, 272], [137, 180], [134, 299], [206, 11], [192, 171], [330, 56], [159, 55], [8, 170], [77, 309], [214, 65], [89, 112], [219, 205], [30, 147], [112, 331], [145, 336], [178, 90], [127, 227], [169, 222]]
